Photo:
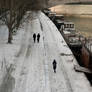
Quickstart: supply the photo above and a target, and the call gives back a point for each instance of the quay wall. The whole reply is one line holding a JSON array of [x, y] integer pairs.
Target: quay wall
[[74, 10]]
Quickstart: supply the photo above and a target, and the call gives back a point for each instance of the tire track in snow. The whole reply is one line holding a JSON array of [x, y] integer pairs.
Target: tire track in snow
[[46, 69], [34, 71]]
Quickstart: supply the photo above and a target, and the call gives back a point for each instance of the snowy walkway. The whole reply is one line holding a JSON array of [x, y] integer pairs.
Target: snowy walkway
[[33, 70]]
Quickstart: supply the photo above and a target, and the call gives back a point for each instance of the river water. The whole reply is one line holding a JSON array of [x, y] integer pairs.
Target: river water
[[82, 25], [81, 16]]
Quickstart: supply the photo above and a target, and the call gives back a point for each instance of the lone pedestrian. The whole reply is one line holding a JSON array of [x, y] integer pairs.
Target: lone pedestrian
[[54, 65], [34, 37], [38, 37]]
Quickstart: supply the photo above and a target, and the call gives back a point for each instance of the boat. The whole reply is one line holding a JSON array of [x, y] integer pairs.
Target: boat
[[58, 20], [68, 26], [46, 11], [87, 54], [73, 39]]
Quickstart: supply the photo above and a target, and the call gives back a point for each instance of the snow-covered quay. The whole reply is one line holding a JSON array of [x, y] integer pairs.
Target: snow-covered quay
[[26, 66]]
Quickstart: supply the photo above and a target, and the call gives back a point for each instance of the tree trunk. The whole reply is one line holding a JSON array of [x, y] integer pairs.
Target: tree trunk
[[10, 36]]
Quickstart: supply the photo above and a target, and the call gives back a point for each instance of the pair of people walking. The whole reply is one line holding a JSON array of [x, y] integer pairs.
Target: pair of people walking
[[36, 37]]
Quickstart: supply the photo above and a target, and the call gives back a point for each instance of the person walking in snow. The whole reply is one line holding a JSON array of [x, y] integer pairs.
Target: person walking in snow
[[38, 37], [34, 37], [54, 65]]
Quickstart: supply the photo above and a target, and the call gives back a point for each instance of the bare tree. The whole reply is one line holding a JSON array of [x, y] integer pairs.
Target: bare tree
[[12, 16], [14, 10]]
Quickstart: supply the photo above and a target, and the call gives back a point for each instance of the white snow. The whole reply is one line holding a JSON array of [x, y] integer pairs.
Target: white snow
[[32, 69]]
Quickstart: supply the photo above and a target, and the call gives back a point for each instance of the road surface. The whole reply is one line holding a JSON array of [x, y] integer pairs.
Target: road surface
[[33, 71]]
